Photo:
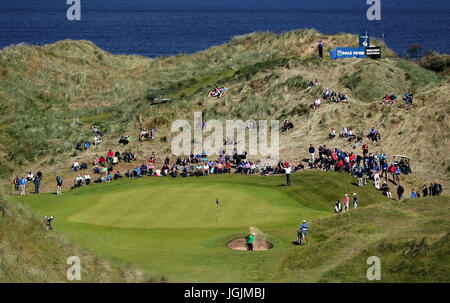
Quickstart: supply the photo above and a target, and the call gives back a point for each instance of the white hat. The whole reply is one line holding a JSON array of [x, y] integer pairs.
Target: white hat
[[253, 234], [354, 194], [346, 195], [304, 221]]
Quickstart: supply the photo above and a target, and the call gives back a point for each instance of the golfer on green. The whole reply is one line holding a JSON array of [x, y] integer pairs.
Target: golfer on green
[[251, 238]]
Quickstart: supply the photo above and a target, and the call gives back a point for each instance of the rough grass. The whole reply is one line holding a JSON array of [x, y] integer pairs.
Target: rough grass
[[30, 253]]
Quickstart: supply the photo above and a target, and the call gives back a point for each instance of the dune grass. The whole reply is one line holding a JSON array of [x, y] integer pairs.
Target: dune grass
[[31, 253]]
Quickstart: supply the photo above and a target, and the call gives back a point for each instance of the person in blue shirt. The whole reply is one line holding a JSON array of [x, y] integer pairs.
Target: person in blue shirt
[[320, 48], [384, 170], [185, 171], [22, 183], [413, 194], [37, 182], [397, 174], [304, 230]]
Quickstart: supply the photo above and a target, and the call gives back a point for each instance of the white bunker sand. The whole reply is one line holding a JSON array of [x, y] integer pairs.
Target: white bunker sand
[[259, 243]]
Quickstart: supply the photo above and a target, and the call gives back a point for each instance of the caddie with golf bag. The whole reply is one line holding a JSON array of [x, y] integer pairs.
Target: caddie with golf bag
[[301, 233]]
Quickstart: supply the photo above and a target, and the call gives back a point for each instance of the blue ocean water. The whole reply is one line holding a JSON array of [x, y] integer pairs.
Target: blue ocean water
[[169, 27]]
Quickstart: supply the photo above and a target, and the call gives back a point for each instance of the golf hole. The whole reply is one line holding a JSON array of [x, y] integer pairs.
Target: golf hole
[[241, 244]]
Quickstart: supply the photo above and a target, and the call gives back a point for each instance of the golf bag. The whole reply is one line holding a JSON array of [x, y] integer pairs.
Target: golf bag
[[48, 222], [337, 207], [300, 238]]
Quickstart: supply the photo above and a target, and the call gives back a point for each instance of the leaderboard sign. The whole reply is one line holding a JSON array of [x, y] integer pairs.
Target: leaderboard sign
[[350, 52], [373, 52], [355, 52]]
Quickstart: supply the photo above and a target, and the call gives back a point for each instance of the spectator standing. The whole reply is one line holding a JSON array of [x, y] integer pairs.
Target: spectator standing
[[59, 183], [425, 191], [288, 174], [37, 182], [355, 200], [311, 153], [400, 191], [346, 201], [320, 48], [22, 183]]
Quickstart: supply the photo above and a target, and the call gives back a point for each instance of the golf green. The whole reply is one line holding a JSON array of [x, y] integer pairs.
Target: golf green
[[168, 226]]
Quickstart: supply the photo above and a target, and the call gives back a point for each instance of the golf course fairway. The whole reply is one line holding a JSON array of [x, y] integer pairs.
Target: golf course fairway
[[168, 228]]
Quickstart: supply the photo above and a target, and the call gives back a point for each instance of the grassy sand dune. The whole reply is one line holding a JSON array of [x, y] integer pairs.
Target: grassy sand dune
[[51, 95]]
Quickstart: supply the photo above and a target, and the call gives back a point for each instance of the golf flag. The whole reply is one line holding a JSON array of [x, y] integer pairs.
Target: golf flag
[[217, 215]]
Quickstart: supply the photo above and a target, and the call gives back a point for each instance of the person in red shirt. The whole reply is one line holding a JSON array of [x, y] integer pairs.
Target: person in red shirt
[[365, 149], [110, 156], [102, 160], [228, 166]]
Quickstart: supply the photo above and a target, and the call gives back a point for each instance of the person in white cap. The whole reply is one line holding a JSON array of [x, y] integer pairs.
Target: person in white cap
[[355, 200], [304, 229]]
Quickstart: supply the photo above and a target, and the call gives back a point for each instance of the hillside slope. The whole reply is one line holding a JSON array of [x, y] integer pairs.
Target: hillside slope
[[59, 91], [51, 95]]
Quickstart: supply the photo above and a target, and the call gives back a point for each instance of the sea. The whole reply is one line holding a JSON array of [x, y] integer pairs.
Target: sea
[[157, 28]]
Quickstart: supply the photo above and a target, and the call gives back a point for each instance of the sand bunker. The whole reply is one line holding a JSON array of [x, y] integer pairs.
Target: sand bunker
[[241, 244]]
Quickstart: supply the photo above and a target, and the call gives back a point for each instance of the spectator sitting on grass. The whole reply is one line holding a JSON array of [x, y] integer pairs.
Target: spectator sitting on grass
[[96, 130], [174, 170], [332, 134], [326, 94], [386, 190], [78, 147], [97, 140], [119, 157], [87, 179], [117, 175], [144, 169], [79, 181], [87, 144], [108, 177], [317, 103], [372, 134], [75, 166], [83, 166], [386, 100], [287, 125], [143, 135], [109, 156], [102, 160]]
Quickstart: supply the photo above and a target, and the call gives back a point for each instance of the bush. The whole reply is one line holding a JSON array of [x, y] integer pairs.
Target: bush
[[435, 62]]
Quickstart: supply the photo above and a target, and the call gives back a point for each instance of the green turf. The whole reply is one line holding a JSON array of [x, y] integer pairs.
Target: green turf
[[167, 226]]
